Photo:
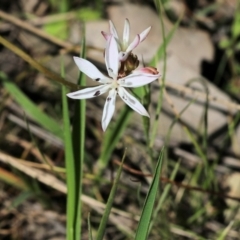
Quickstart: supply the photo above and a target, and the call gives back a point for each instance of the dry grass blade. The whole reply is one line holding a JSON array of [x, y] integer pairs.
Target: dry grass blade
[[29, 147], [68, 47], [25, 25], [41, 176], [38, 131], [55, 183], [35, 64]]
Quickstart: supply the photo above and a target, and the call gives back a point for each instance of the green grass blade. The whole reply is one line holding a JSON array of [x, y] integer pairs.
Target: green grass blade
[[167, 187], [145, 220], [70, 167], [175, 120], [103, 223], [21, 198], [60, 28], [79, 123], [64, 5], [224, 233], [161, 52], [90, 237], [164, 194], [113, 135], [30, 108], [13, 179], [36, 145], [146, 103]]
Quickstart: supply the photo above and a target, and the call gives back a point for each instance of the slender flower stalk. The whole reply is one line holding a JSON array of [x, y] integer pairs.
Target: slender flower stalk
[[123, 46], [115, 83]]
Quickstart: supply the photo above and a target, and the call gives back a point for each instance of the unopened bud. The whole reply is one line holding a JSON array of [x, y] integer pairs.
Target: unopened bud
[[149, 70]]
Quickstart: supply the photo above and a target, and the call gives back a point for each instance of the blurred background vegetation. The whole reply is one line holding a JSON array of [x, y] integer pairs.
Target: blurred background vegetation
[[197, 49]]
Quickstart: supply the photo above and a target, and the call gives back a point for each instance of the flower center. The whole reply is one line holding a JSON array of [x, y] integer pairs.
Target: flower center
[[114, 84]]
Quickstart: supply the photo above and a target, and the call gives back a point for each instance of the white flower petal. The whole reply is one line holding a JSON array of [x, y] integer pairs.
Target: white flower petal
[[144, 34], [133, 44], [123, 56], [132, 102], [106, 35], [113, 30], [109, 109], [90, 70], [126, 32], [137, 80], [89, 92], [111, 57]]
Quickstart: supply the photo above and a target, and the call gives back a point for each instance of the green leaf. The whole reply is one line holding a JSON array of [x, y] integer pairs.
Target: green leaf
[[60, 6], [78, 135], [236, 23], [139, 92], [30, 108], [89, 228], [58, 29], [225, 43], [88, 14], [145, 219], [70, 166]]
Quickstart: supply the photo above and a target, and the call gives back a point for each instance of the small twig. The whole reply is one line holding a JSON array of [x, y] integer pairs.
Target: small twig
[[188, 187]]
